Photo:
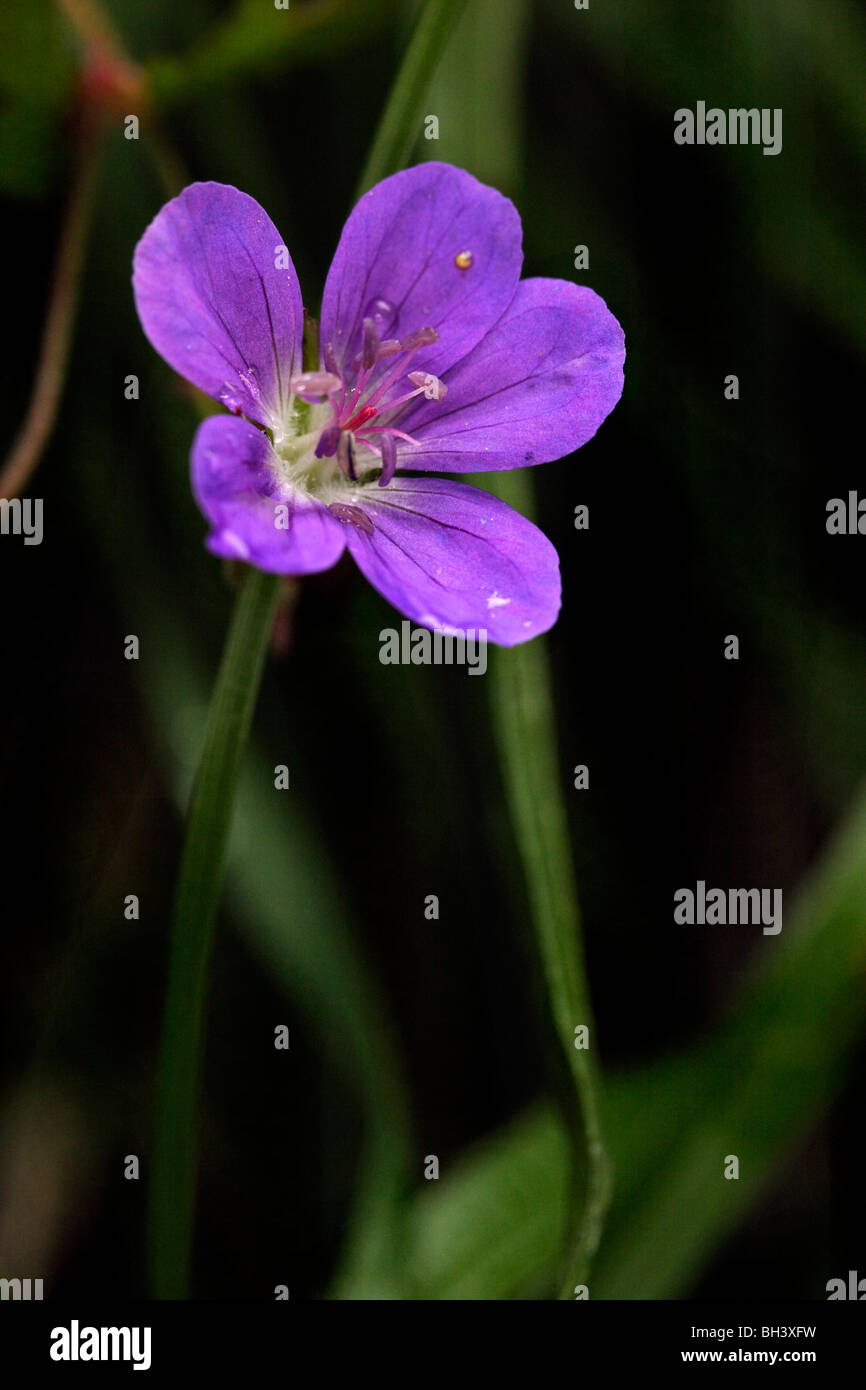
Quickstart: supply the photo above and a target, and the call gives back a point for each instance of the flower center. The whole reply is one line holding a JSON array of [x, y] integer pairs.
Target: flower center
[[358, 407]]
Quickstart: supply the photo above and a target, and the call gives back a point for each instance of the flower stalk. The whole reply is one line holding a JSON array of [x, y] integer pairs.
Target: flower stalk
[[525, 729], [202, 870], [50, 377]]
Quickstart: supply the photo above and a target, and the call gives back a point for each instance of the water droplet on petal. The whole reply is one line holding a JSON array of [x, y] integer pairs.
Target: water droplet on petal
[[382, 312], [463, 260]]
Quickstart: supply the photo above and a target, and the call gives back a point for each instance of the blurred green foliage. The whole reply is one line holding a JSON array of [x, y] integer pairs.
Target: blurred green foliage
[[35, 79]]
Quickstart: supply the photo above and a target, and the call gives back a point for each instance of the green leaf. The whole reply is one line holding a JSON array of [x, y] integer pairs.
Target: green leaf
[[494, 1226], [400, 124], [477, 93], [755, 1088]]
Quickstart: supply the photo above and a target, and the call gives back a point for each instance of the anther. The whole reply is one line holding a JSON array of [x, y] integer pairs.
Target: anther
[[315, 387], [389, 459], [370, 349], [420, 338], [351, 516], [433, 388], [328, 441], [346, 456]]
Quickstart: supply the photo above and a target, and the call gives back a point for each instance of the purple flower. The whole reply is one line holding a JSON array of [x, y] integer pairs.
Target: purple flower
[[435, 357]]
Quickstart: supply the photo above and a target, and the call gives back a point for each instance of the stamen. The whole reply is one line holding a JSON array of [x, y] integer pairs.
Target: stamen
[[346, 456], [359, 394], [433, 388], [351, 516], [422, 337], [426, 382], [410, 345], [389, 458], [328, 441], [370, 349], [315, 387], [388, 429]]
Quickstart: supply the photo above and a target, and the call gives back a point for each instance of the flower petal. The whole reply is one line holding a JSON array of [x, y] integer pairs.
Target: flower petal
[[239, 494], [535, 389], [451, 556], [218, 297], [400, 246]]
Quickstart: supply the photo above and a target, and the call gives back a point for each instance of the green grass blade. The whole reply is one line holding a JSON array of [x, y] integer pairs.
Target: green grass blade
[[399, 126]]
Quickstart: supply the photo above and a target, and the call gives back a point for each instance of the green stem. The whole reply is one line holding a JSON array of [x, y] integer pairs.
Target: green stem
[[400, 124], [525, 727], [172, 1191]]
